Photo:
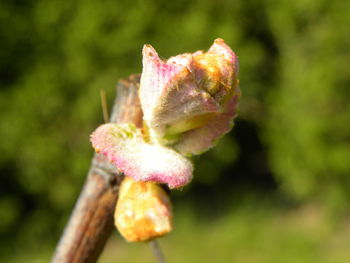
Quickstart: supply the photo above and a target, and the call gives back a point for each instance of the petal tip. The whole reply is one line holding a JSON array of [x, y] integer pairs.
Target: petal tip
[[149, 52], [220, 47]]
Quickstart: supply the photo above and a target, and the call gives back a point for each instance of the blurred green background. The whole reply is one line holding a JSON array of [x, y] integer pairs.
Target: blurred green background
[[277, 189]]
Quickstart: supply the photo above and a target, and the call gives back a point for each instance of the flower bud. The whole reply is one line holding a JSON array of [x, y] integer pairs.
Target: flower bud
[[143, 211], [188, 102], [188, 92]]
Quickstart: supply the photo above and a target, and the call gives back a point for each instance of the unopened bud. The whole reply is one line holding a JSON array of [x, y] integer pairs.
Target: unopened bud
[[189, 92], [189, 101], [143, 211]]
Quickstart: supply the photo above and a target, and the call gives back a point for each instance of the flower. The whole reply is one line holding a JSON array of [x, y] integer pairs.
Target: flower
[[189, 101]]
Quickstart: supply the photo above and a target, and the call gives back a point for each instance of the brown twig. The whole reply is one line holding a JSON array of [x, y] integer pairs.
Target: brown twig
[[91, 222]]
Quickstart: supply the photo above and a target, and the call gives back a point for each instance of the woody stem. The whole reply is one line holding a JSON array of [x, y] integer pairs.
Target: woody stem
[[91, 221]]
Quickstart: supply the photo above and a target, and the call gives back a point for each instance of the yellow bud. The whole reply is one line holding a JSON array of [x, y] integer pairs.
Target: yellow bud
[[143, 211]]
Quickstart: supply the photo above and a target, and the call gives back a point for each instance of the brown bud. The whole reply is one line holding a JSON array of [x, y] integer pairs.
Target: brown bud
[[143, 211]]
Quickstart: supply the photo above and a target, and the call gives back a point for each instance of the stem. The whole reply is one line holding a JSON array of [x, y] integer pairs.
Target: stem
[[104, 105], [157, 251], [91, 221]]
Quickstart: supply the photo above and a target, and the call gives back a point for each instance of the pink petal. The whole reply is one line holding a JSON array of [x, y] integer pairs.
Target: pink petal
[[124, 146], [156, 75]]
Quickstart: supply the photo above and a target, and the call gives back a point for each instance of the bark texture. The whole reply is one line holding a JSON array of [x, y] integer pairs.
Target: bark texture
[[91, 222]]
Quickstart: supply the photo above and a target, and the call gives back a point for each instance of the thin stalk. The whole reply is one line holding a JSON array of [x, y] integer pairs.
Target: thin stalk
[[104, 105], [157, 251]]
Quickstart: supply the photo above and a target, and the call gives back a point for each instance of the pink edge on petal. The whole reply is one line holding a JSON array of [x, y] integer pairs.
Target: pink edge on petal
[[201, 139], [156, 74], [140, 160]]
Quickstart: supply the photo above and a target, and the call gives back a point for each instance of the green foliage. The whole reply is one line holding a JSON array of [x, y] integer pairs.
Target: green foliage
[[293, 129], [308, 127]]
